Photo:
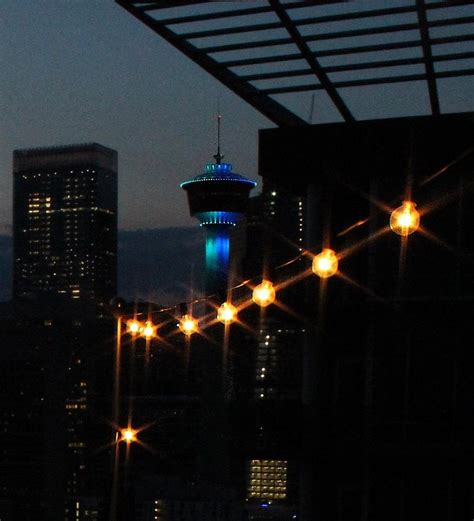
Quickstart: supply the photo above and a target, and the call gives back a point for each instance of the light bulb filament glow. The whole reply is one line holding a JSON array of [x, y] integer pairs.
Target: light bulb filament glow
[[264, 294], [325, 264], [227, 313], [133, 327], [405, 219], [188, 325], [148, 330], [128, 435]]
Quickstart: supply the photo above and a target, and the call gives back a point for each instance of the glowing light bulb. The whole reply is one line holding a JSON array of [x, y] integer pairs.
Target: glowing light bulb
[[128, 435], [325, 264], [148, 330], [227, 313], [133, 327], [405, 219], [188, 324], [264, 294]]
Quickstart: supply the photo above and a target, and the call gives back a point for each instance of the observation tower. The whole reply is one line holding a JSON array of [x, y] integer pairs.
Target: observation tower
[[218, 198]]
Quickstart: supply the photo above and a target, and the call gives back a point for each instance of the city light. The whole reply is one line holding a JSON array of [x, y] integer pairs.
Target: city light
[[264, 294], [405, 219], [188, 325], [227, 313], [325, 264]]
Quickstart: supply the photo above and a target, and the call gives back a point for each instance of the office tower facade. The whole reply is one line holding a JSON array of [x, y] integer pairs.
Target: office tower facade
[[65, 222]]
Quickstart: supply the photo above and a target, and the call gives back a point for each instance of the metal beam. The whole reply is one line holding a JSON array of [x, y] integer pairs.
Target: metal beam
[[186, 19], [331, 18], [294, 5], [312, 62], [336, 35], [243, 19], [357, 66], [270, 108], [342, 51], [369, 81], [427, 54]]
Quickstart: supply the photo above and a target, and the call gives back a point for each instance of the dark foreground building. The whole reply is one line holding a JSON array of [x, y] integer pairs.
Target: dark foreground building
[[55, 396], [355, 401], [386, 417]]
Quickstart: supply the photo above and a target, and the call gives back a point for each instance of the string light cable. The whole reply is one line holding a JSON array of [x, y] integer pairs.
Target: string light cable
[[404, 221]]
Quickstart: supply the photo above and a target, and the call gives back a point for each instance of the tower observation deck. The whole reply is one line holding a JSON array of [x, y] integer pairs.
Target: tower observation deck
[[218, 199]]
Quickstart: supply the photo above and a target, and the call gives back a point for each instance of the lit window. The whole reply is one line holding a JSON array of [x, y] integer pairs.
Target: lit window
[[267, 479]]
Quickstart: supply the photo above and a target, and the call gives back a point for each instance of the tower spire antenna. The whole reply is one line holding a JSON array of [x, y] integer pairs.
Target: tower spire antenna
[[218, 157]]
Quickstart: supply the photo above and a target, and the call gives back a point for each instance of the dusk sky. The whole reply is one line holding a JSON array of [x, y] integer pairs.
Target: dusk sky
[[80, 71]]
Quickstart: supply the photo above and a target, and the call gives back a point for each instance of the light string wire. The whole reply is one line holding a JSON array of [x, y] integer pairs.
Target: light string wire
[[175, 309]]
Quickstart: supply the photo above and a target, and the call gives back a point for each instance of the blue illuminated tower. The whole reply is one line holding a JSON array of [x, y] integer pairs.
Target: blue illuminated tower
[[218, 198]]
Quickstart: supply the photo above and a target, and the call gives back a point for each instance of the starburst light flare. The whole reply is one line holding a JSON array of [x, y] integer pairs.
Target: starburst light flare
[[227, 313], [148, 330], [128, 435], [133, 327], [264, 294], [188, 325], [325, 264], [405, 220]]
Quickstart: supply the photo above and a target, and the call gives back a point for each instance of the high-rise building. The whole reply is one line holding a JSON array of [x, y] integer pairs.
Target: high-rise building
[[65, 222], [56, 386]]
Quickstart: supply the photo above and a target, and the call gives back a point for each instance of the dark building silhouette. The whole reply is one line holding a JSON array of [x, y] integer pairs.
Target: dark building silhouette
[[268, 359], [385, 383], [65, 222], [55, 394], [57, 335]]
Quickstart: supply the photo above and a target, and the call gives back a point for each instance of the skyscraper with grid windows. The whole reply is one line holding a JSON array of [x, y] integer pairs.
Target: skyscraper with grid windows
[[65, 222]]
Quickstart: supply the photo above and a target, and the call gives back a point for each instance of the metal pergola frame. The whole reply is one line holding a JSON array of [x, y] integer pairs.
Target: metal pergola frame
[[243, 84]]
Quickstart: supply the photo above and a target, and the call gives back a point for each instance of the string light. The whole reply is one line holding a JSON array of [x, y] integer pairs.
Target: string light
[[405, 219], [188, 325], [325, 264], [133, 327], [227, 313], [148, 330], [264, 294], [128, 435]]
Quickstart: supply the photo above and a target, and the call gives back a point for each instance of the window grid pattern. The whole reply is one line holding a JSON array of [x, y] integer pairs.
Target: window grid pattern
[[267, 479]]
